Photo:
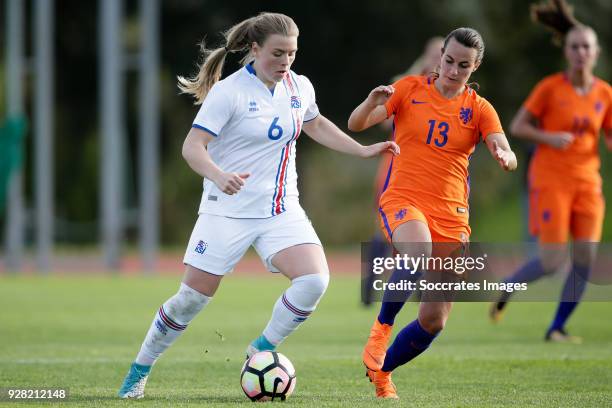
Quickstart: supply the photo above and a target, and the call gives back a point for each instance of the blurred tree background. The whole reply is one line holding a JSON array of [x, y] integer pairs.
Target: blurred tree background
[[345, 48]]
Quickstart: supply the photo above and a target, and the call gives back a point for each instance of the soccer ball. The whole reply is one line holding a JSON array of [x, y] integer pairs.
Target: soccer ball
[[266, 376]]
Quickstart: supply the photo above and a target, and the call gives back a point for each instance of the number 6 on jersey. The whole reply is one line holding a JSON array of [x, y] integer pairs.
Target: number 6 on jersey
[[275, 128]]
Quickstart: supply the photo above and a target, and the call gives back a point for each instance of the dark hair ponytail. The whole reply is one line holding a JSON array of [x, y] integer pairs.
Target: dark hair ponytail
[[557, 16]]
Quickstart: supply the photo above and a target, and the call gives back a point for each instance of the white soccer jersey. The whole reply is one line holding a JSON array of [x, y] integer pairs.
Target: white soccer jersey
[[255, 132]]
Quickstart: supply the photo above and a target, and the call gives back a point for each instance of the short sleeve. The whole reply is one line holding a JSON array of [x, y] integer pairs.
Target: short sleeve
[[312, 110], [401, 89], [537, 100], [216, 110], [489, 120]]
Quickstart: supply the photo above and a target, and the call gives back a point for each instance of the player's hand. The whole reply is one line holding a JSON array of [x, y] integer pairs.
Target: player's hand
[[560, 140], [380, 95], [379, 148], [230, 183], [505, 158]]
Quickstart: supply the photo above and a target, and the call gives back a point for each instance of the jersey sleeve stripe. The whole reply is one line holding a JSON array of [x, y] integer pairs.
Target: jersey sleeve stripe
[[316, 116], [195, 125]]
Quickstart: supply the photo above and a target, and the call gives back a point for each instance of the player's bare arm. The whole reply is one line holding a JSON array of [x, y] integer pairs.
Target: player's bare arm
[[323, 131], [196, 155], [372, 110], [500, 150], [524, 126]]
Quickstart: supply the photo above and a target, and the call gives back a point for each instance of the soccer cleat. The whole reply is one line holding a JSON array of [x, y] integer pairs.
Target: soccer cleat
[[376, 347], [135, 381], [259, 344], [561, 336], [496, 312], [382, 381]]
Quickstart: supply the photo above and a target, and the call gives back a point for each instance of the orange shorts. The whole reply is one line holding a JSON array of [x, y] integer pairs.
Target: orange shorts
[[555, 212], [394, 215]]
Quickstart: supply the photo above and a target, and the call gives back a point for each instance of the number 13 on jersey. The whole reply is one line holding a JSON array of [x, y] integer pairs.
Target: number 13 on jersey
[[442, 137]]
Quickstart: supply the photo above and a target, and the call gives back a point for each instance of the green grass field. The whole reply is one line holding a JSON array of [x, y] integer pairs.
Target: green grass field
[[82, 333]]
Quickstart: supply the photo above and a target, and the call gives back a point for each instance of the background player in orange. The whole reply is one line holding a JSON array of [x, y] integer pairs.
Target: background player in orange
[[438, 122], [564, 115], [426, 64]]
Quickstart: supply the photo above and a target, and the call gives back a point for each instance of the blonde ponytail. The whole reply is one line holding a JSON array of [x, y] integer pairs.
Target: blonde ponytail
[[238, 38]]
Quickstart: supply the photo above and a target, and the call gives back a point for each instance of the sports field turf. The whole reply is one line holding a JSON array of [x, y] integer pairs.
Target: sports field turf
[[82, 333]]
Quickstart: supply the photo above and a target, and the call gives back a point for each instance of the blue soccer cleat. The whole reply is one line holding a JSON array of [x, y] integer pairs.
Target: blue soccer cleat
[[135, 381], [259, 344]]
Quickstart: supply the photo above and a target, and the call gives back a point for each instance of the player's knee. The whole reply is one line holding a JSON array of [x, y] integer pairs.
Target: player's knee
[[432, 324], [550, 265], [185, 304], [584, 253], [317, 283], [312, 286]]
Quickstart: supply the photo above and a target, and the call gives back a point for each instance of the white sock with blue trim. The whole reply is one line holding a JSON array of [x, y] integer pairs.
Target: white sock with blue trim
[[295, 306], [170, 321]]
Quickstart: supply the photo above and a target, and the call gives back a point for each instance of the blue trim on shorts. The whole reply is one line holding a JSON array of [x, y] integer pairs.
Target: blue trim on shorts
[[386, 222]]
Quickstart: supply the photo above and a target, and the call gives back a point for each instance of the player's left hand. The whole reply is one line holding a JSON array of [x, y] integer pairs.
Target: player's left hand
[[379, 148], [505, 158]]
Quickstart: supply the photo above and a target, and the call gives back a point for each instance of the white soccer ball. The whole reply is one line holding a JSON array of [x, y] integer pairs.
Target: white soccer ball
[[267, 376]]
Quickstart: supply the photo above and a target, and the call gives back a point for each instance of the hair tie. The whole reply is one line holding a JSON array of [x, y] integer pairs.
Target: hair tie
[[226, 49]]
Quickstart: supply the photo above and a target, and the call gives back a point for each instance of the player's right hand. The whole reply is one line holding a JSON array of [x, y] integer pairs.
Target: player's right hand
[[380, 95], [231, 183], [560, 140]]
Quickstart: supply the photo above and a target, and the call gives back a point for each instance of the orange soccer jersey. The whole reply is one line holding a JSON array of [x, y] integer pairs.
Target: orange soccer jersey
[[558, 108], [429, 180], [565, 185]]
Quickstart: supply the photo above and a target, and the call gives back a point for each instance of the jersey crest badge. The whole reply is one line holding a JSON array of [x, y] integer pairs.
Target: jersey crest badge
[[465, 114], [295, 102]]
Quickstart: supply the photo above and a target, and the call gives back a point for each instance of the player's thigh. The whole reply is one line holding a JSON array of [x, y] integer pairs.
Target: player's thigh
[[287, 243], [300, 260], [216, 245], [413, 238]]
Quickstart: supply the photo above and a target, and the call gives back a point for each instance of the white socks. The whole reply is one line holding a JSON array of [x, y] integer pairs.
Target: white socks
[[295, 305], [169, 322], [290, 310]]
